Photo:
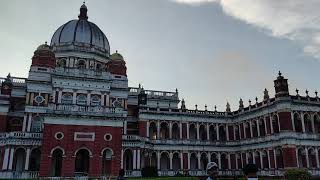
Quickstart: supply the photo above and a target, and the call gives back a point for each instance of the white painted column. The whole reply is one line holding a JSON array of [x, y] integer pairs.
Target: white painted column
[[11, 158], [74, 97], [292, 122], [251, 132], [6, 159], [158, 129], [26, 165], [170, 130], [317, 158], [59, 96], [237, 165], [265, 126], [297, 157], [253, 158], [148, 126], [208, 132], [198, 131], [134, 160], [217, 131], [302, 122], [24, 124], [307, 157], [261, 160], [121, 159], [188, 136], [269, 163], [244, 130], [209, 156], [158, 160], [199, 160], [54, 96], [271, 124], [125, 127], [180, 130], [181, 160], [227, 132], [170, 160], [138, 159], [107, 103], [247, 158], [29, 122], [275, 159], [188, 160], [219, 160], [239, 130], [258, 127], [312, 124], [89, 98], [229, 161]]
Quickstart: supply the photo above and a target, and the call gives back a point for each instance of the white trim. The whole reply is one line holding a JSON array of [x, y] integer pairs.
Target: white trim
[[82, 121], [57, 147], [104, 137], [56, 134], [76, 138]]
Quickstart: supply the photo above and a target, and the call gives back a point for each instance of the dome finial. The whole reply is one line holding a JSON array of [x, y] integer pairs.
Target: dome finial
[[83, 12]]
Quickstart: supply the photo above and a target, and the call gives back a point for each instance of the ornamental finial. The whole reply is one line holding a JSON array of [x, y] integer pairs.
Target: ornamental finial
[[83, 12]]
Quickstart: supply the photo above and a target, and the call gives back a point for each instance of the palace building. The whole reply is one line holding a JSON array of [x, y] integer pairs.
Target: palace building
[[74, 115]]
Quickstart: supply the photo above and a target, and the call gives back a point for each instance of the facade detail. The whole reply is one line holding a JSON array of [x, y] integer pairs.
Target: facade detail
[[74, 115]]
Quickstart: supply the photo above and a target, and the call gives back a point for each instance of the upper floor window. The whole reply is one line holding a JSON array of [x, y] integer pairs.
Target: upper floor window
[[81, 64], [61, 63], [82, 99], [95, 100], [66, 98]]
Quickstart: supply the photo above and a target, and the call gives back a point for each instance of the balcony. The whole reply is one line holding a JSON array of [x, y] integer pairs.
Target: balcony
[[87, 110], [20, 135], [19, 175]]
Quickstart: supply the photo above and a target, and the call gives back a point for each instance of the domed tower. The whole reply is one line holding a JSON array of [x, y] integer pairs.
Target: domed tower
[[44, 57], [117, 65]]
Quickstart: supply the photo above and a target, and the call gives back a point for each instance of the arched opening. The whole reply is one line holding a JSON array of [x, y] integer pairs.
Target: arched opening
[[146, 159], [164, 161], [82, 163], [56, 163], [214, 158], [250, 158], [164, 131], [82, 99], [175, 131], [308, 123], [19, 159], [99, 67], [265, 160], [212, 133], [297, 122], [37, 123], [61, 63], [203, 161], [34, 163], [247, 130], [279, 158], [153, 160], [106, 161], [176, 161], [153, 130], [302, 159], [238, 159], [128, 160], [224, 161], [193, 161], [192, 132], [66, 98], [257, 159], [95, 100], [237, 132], [254, 129], [275, 124], [312, 158], [222, 133], [81, 64], [262, 128], [316, 120], [203, 133]]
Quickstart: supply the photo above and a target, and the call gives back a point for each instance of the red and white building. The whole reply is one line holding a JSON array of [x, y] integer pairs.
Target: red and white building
[[74, 115]]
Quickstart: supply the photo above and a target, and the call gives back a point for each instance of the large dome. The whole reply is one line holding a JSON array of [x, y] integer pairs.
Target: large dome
[[81, 32]]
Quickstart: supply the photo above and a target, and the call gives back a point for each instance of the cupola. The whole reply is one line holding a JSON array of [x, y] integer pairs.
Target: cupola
[[117, 65], [44, 57]]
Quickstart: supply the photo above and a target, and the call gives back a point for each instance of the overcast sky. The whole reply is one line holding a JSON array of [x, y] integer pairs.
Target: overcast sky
[[213, 51]]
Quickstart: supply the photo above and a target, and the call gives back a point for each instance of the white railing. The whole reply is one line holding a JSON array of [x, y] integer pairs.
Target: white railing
[[21, 135], [66, 108], [151, 93], [19, 175], [83, 73], [16, 81], [129, 173]]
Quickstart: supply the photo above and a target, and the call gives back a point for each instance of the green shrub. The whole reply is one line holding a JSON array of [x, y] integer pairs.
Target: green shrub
[[297, 174], [149, 172]]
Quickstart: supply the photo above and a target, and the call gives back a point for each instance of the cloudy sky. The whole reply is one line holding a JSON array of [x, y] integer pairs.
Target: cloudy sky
[[213, 51]]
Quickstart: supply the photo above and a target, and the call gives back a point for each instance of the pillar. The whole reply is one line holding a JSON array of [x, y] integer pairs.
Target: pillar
[[317, 158], [258, 127], [29, 123], [251, 133], [217, 132], [261, 160], [239, 130], [268, 154], [227, 132], [275, 159], [74, 97], [147, 130], [6, 158], [170, 160], [121, 159], [180, 130], [265, 126], [158, 160], [11, 158], [26, 165], [125, 127], [24, 124], [170, 130], [59, 96], [188, 160], [158, 129], [134, 167], [188, 136], [181, 160], [271, 124], [199, 160], [208, 132], [88, 98], [229, 161], [307, 158], [302, 122], [138, 159], [198, 133], [219, 160]]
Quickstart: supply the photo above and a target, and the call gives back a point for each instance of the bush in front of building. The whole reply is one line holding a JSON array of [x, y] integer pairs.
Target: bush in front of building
[[149, 171], [295, 174]]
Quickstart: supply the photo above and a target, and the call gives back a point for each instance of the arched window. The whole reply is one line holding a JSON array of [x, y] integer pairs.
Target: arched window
[[34, 163], [164, 131], [164, 161], [81, 64], [106, 161], [308, 123], [316, 123], [279, 158], [176, 161], [193, 161], [153, 130], [99, 67], [82, 163], [203, 161], [192, 132], [212, 133], [203, 133], [262, 128], [66, 98], [128, 159], [275, 124], [222, 133], [37, 124], [56, 162], [61, 63], [175, 131], [297, 122], [20, 157], [95, 100], [82, 99]]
